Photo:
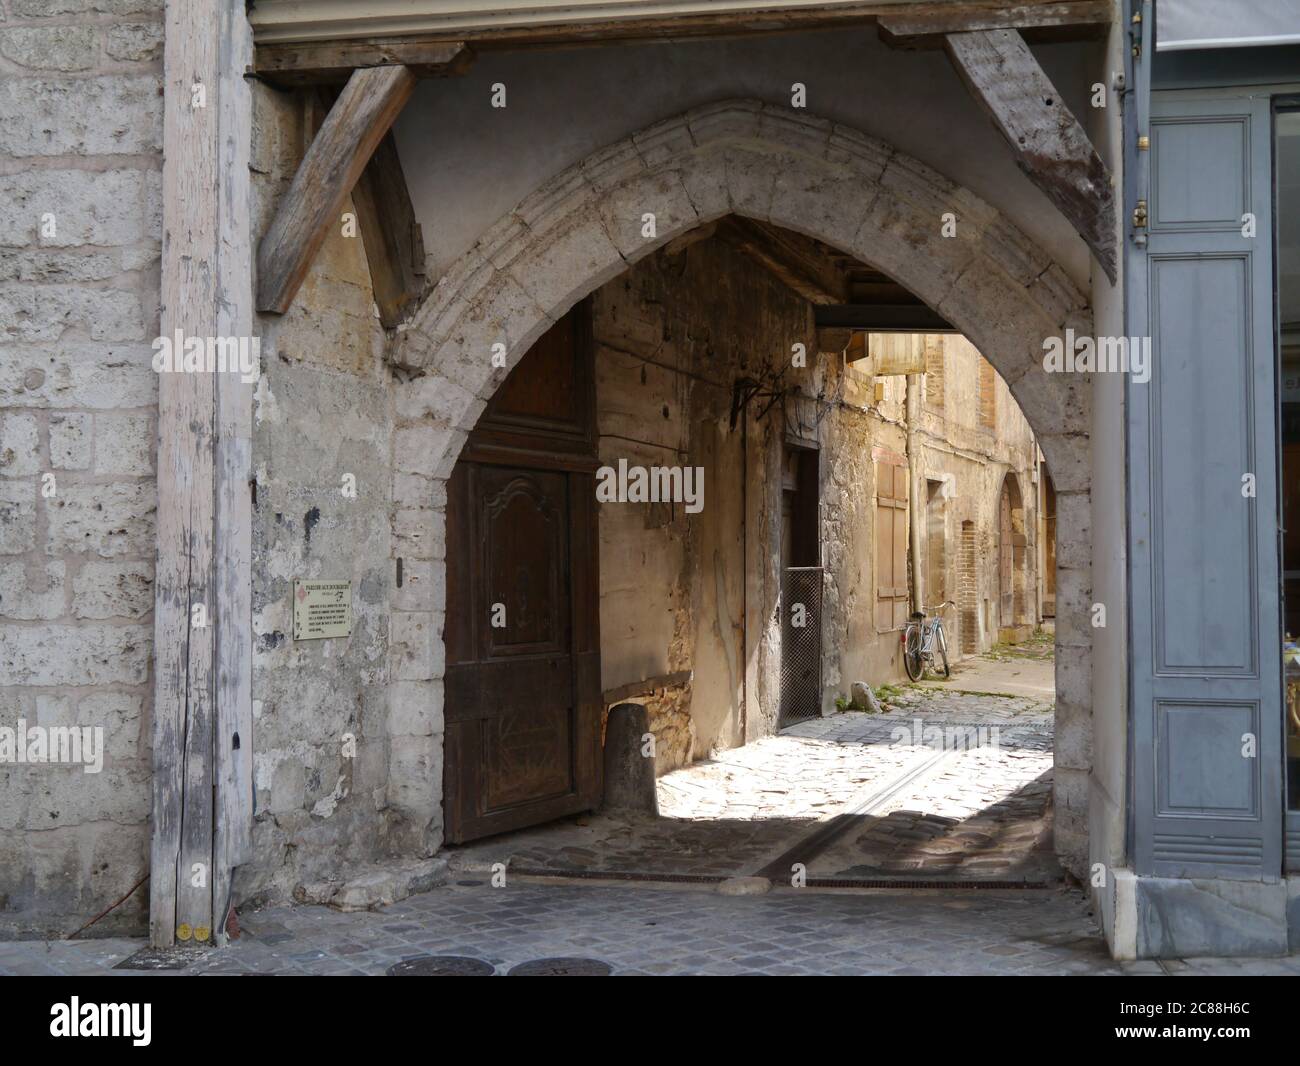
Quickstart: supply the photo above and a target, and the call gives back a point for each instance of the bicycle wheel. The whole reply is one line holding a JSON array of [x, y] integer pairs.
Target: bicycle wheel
[[941, 644], [912, 653]]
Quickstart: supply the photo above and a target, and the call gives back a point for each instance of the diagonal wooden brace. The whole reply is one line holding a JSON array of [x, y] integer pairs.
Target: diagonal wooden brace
[[358, 121], [1049, 144]]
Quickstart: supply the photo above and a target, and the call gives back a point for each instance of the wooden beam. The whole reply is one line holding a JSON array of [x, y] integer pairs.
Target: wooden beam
[[202, 777], [233, 511], [356, 124], [1068, 20], [1049, 144], [294, 46], [882, 318], [647, 687], [332, 62], [796, 261], [180, 872], [393, 240]]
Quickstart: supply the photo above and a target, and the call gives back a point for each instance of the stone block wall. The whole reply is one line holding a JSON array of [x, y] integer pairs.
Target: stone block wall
[[321, 510], [80, 242]]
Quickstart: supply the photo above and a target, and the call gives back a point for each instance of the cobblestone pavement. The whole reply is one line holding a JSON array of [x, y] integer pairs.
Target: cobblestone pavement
[[906, 809], [641, 930], [977, 814], [1024, 669]]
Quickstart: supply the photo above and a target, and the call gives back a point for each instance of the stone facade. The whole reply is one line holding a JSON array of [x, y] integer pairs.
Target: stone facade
[[80, 240], [341, 405]]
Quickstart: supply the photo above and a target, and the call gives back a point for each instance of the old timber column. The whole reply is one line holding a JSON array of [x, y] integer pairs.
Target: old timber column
[[202, 713]]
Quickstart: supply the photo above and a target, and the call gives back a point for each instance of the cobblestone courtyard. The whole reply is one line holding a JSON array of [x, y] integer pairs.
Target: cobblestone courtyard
[[946, 788], [943, 786]]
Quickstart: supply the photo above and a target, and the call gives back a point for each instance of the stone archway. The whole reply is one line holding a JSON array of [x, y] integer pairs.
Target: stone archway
[[585, 226]]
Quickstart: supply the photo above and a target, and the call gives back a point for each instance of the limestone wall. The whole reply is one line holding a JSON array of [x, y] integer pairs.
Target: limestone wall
[[322, 468], [80, 242]]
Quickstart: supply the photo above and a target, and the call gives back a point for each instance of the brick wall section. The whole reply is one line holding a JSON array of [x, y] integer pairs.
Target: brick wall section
[[80, 226], [968, 591]]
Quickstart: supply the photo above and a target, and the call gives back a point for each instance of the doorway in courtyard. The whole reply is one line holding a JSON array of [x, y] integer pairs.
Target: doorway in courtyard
[[718, 488]]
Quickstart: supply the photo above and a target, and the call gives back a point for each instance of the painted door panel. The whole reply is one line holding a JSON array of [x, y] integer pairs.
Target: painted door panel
[[1203, 551]]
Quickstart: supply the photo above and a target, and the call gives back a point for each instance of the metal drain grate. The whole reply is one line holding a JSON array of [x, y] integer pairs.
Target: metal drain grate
[[562, 968], [442, 966]]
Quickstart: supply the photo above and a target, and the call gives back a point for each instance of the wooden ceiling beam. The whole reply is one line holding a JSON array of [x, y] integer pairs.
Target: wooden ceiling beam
[[292, 52], [1049, 144], [332, 62], [796, 261]]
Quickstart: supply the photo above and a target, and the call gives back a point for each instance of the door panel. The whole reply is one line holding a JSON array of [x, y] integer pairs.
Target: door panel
[[524, 525], [1203, 553], [522, 682]]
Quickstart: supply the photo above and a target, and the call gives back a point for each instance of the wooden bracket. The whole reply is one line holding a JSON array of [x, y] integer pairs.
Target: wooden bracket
[[1049, 144], [354, 128], [393, 239]]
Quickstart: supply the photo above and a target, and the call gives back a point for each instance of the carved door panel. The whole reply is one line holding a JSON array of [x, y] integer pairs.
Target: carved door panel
[[523, 675]]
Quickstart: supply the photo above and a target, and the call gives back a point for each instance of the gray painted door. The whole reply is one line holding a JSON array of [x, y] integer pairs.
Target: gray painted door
[[1203, 551]]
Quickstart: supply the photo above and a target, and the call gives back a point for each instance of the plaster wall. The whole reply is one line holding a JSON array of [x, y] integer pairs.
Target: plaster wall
[[468, 162]]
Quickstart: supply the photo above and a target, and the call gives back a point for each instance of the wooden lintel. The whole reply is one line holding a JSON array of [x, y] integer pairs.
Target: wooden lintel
[[286, 50], [791, 258], [1049, 144], [392, 237], [647, 687], [357, 122], [1068, 20], [332, 62]]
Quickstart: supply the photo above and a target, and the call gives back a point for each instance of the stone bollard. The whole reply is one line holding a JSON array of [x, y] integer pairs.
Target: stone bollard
[[629, 775]]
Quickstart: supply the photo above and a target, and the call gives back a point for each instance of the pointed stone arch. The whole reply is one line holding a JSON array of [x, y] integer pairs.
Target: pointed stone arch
[[589, 223]]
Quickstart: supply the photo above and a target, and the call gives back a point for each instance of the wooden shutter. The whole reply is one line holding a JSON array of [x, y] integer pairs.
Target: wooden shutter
[[891, 544]]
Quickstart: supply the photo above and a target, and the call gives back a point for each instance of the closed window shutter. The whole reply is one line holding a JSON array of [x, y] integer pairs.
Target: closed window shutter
[[891, 545]]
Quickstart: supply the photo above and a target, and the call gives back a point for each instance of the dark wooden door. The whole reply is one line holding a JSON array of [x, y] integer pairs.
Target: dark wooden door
[[523, 701]]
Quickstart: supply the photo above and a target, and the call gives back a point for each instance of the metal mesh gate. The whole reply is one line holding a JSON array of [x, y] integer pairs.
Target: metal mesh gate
[[801, 643]]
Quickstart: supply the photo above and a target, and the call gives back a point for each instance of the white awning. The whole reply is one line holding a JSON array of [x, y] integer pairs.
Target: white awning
[[1182, 24]]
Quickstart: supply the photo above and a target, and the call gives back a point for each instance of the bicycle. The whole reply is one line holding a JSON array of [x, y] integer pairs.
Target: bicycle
[[921, 639]]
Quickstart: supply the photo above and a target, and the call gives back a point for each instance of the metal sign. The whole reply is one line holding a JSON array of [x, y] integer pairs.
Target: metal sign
[[322, 609]]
